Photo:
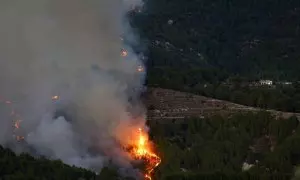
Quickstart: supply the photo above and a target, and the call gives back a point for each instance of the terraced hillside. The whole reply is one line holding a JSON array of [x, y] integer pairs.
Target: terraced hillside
[[170, 104]]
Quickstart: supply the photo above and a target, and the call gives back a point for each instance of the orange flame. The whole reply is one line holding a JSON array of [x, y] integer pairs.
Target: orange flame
[[142, 151]]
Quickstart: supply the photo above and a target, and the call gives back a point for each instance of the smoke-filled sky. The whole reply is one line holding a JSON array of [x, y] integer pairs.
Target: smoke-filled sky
[[69, 48]]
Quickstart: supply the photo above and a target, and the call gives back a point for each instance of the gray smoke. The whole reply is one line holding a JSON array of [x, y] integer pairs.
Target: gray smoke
[[69, 48]]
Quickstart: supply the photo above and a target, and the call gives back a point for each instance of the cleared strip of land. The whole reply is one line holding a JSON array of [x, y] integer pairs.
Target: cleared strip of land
[[170, 104]]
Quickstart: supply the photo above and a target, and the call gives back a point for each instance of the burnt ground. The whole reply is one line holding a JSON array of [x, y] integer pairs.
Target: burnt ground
[[170, 104]]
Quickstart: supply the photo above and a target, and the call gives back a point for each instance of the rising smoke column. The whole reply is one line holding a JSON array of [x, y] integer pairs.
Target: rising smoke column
[[69, 48]]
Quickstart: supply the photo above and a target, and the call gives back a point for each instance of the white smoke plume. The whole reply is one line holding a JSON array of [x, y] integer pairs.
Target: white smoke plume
[[69, 48]]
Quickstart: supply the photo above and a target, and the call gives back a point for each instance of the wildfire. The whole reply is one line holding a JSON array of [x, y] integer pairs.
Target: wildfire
[[140, 147], [142, 151], [16, 120]]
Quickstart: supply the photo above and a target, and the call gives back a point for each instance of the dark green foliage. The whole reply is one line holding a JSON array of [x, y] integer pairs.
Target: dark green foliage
[[217, 147], [209, 148], [24, 166], [284, 98], [214, 42]]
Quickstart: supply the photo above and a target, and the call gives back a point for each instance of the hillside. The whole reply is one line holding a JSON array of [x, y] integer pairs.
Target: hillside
[[216, 38], [171, 104], [205, 139], [219, 48], [242, 146]]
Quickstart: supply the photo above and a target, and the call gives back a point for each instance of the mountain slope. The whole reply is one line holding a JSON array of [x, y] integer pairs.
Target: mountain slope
[[251, 38], [218, 48]]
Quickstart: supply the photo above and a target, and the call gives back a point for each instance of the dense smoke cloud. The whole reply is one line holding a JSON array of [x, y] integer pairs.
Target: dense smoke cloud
[[69, 48]]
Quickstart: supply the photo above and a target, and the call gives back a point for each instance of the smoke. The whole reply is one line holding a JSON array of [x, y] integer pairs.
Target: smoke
[[70, 48]]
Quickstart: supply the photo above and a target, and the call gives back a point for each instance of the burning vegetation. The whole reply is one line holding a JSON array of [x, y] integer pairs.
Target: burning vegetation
[[56, 60], [141, 149]]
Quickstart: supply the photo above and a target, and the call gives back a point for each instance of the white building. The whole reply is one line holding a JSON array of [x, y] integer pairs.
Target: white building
[[266, 82], [286, 83]]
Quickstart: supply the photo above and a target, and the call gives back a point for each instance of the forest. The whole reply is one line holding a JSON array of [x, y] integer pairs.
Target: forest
[[242, 146], [216, 48], [213, 47], [24, 166]]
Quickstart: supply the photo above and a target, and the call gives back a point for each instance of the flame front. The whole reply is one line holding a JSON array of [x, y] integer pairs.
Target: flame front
[[140, 146], [142, 151]]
